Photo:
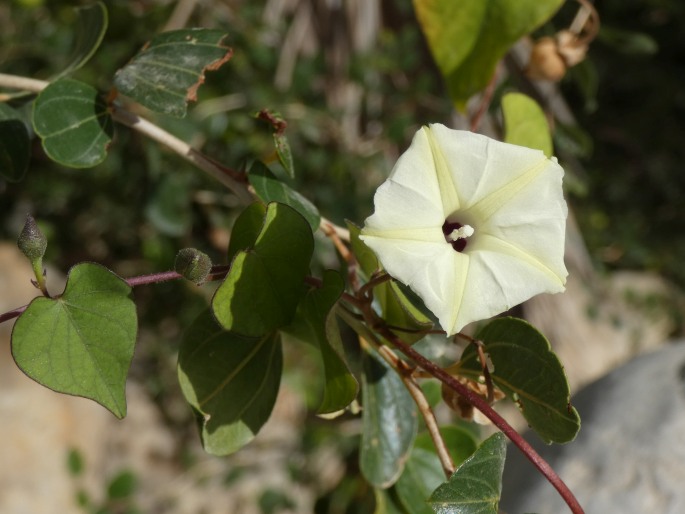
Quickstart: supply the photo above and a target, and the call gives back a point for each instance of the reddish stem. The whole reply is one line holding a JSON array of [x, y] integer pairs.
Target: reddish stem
[[12, 314], [478, 402], [485, 102]]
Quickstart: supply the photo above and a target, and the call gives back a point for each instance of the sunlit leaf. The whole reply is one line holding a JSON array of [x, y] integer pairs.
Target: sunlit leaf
[[270, 189], [468, 37], [166, 74], [528, 372], [14, 144], [73, 122], [389, 422], [525, 123], [231, 381], [82, 342], [265, 283], [315, 322], [476, 485], [246, 229]]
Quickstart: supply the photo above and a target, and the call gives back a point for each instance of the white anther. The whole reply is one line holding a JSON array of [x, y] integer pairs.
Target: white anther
[[461, 233]]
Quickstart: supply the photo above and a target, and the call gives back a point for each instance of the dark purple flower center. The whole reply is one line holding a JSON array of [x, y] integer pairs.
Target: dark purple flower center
[[447, 228]]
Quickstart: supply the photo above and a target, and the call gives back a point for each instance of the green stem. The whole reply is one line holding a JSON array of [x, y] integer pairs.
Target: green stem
[[39, 273]]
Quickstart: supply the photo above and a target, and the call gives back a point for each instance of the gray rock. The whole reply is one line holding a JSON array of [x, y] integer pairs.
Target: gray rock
[[629, 456]]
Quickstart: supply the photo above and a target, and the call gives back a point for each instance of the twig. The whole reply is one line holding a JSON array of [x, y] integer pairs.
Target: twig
[[21, 83], [405, 374], [486, 98], [375, 280], [180, 15], [225, 175], [587, 12]]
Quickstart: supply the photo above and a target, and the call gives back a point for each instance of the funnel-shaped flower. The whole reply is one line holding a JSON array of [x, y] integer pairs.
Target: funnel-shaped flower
[[472, 225]]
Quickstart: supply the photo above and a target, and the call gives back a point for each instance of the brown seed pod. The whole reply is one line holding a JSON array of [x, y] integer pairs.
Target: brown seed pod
[[546, 63]]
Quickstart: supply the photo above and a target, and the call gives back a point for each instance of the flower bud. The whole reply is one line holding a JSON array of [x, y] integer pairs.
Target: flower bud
[[32, 242], [193, 265]]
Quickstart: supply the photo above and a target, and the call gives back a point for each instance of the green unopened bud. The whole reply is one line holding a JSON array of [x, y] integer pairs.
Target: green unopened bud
[[193, 265], [32, 242]]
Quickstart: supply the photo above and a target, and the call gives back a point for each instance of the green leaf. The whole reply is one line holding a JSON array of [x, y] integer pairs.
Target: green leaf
[[423, 472], [460, 442], [389, 422], [270, 189], [476, 485], [91, 26], [316, 323], [265, 283], [396, 308], [73, 122], [82, 342], [387, 503], [123, 485], [246, 229], [422, 475], [525, 123], [231, 381], [15, 144], [166, 74], [285, 156], [278, 125], [468, 37], [169, 209], [528, 372], [628, 42]]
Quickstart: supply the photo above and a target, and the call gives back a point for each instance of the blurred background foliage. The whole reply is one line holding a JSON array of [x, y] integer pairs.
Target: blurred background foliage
[[354, 80]]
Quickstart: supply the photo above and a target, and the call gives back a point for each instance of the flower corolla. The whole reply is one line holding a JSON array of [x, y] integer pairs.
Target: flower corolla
[[472, 225]]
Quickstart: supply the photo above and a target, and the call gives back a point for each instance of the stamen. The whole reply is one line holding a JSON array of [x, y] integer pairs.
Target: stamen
[[456, 234], [460, 233]]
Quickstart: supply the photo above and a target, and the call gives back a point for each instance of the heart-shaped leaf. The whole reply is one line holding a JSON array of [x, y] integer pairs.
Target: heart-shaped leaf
[[166, 74], [73, 122], [14, 144], [476, 485], [265, 283], [315, 322], [468, 37], [528, 372], [270, 189], [525, 123], [231, 381], [389, 422], [82, 342]]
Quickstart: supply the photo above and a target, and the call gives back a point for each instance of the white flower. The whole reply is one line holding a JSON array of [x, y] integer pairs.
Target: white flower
[[472, 225]]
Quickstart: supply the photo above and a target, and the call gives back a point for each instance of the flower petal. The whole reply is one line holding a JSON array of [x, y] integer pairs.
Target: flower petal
[[433, 271], [481, 166], [510, 195]]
